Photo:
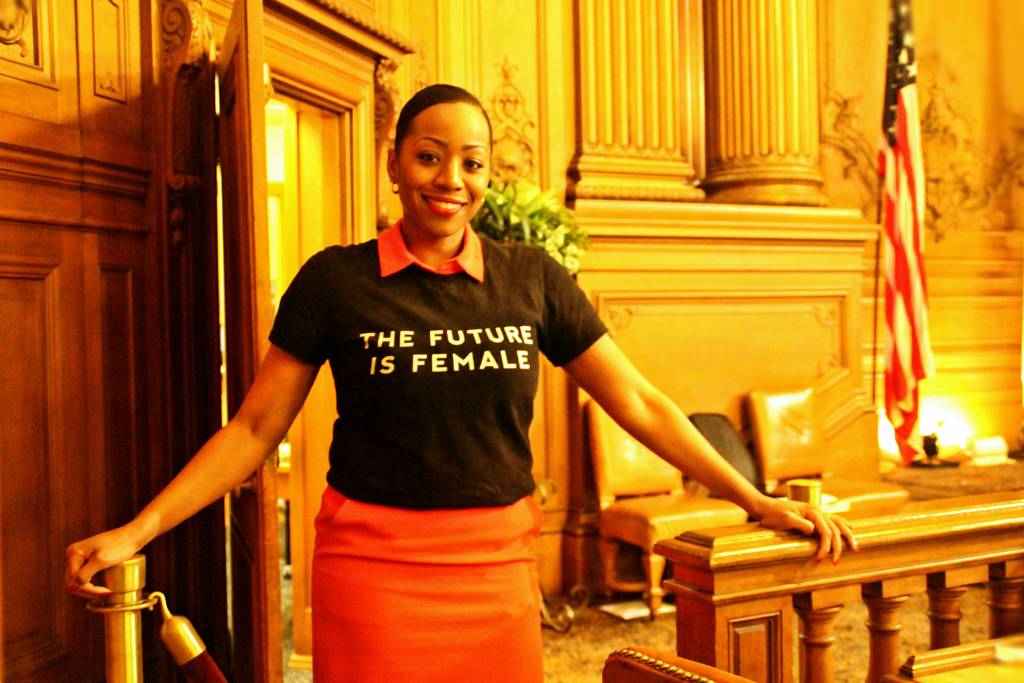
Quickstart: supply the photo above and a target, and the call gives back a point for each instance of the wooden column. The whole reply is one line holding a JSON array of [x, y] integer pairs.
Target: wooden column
[[639, 100], [818, 610], [884, 600], [762, 111], [1006, 598], [944, 592], [944, 615]]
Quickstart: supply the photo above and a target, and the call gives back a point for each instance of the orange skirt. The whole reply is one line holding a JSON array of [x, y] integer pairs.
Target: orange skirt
[[425, 596]]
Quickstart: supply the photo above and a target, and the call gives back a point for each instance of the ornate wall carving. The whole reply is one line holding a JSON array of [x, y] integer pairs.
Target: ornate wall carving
[[110, 49], [18, 28], [26, 36], [966, 185], [512, 156], [385, 109], [844, 134]]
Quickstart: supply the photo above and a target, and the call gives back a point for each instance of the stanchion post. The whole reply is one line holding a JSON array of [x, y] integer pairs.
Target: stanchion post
[[124, 627]]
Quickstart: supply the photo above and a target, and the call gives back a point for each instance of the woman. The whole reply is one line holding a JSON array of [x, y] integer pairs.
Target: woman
[[423, 566]]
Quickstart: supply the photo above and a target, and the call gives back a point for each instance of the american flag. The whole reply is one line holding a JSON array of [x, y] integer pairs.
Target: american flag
[[908, 351]]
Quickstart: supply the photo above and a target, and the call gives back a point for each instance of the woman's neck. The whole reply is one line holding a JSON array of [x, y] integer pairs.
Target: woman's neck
[[434, 251]]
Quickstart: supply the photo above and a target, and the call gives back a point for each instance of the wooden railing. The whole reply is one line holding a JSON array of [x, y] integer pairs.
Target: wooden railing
[[738, 588]]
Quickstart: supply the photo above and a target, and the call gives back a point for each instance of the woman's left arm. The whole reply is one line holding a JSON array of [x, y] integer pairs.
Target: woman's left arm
[[604, 372]]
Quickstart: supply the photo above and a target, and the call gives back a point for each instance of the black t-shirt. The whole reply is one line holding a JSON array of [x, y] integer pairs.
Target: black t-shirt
[[435, 374]]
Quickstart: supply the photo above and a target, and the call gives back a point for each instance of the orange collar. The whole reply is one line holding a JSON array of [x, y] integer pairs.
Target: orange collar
[[395, 256]]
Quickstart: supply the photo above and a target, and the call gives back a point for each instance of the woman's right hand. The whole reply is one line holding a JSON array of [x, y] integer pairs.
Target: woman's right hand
[[94, 554]]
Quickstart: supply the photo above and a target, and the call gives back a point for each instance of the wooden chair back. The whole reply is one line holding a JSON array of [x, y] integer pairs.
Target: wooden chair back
[[787, 436], [622, 465]]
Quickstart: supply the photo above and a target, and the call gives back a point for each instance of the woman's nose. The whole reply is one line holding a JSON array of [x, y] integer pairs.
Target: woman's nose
[[449, 175]]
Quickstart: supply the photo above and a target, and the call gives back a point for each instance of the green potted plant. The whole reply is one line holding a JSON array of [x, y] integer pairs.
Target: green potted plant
[[520, 211]]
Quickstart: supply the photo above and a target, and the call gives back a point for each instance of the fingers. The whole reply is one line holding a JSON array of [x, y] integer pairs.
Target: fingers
[[828, 532], [88, 590], [81, 567], [803, 525], [847, 532], [833, 530], [76, 558]]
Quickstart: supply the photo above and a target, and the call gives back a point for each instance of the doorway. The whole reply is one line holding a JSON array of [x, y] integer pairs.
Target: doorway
[[308, 165]]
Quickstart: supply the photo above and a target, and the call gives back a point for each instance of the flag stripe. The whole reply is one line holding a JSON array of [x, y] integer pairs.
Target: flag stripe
[[908, 356]]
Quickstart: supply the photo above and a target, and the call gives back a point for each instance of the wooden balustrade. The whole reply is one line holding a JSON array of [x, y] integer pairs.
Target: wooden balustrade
[[737, 588]]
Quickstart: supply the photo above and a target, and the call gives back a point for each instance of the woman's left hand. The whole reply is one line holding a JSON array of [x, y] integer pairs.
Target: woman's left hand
[[782, 514]]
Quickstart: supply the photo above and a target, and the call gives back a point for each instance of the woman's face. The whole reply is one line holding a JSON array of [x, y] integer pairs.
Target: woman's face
[[441, 169]]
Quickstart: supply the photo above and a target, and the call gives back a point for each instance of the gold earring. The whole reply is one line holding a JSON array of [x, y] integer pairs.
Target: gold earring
[[394, 188]]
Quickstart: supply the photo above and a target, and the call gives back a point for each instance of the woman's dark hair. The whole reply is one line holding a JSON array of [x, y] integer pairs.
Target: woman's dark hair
[[439, 93]]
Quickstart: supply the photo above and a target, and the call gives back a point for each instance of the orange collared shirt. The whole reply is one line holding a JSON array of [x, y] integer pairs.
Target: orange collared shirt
[[395, 256]]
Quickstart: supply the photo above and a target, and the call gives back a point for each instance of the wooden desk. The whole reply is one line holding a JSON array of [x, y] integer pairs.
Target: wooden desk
[[962, 664]]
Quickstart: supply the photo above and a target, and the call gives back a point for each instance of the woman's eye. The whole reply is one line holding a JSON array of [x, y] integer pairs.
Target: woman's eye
[[474, 165], [428, 157]]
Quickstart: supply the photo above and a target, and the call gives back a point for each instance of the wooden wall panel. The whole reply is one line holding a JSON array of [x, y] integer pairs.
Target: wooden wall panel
[[31, 374], [48, 455], [78, 215]]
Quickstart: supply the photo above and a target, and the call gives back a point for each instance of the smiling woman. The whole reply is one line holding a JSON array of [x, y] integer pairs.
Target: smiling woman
[[440, 165], [424, 566]]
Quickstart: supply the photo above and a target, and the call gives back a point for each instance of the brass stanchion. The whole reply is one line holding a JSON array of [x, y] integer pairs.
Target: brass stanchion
[[121, 611], [123, 623]]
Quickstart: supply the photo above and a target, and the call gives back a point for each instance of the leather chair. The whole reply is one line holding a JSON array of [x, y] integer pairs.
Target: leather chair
[[789, 444], [642, 501], [640, 665]]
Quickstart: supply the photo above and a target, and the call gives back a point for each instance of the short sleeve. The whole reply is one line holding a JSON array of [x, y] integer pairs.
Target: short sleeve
[[301, 326], [570, 323]]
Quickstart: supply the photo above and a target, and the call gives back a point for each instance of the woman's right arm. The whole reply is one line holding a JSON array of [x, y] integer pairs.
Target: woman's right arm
[[225, 461]]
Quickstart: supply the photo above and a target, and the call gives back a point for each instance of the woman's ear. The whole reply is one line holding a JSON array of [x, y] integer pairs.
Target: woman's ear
[[392, 165]]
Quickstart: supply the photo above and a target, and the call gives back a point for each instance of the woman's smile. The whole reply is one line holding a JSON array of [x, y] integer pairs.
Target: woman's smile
[[443, 206]]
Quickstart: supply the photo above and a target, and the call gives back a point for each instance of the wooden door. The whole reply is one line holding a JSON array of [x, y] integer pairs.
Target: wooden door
[[254, 573]]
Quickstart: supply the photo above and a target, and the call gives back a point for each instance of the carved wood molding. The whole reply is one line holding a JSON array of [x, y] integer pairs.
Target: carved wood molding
[[14, 21], [27, 30], [49, 168], [825, 306], [110, 26], [367, 23], [187, 37], [833, 369], [385, 108]]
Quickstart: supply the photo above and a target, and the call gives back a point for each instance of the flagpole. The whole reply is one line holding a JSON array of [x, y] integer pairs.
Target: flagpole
[[874, 301]]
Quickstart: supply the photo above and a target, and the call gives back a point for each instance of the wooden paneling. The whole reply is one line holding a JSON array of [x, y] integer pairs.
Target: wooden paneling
[[121, 423], [49, 454], [83, 322], [29, 549], [712, 302]]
